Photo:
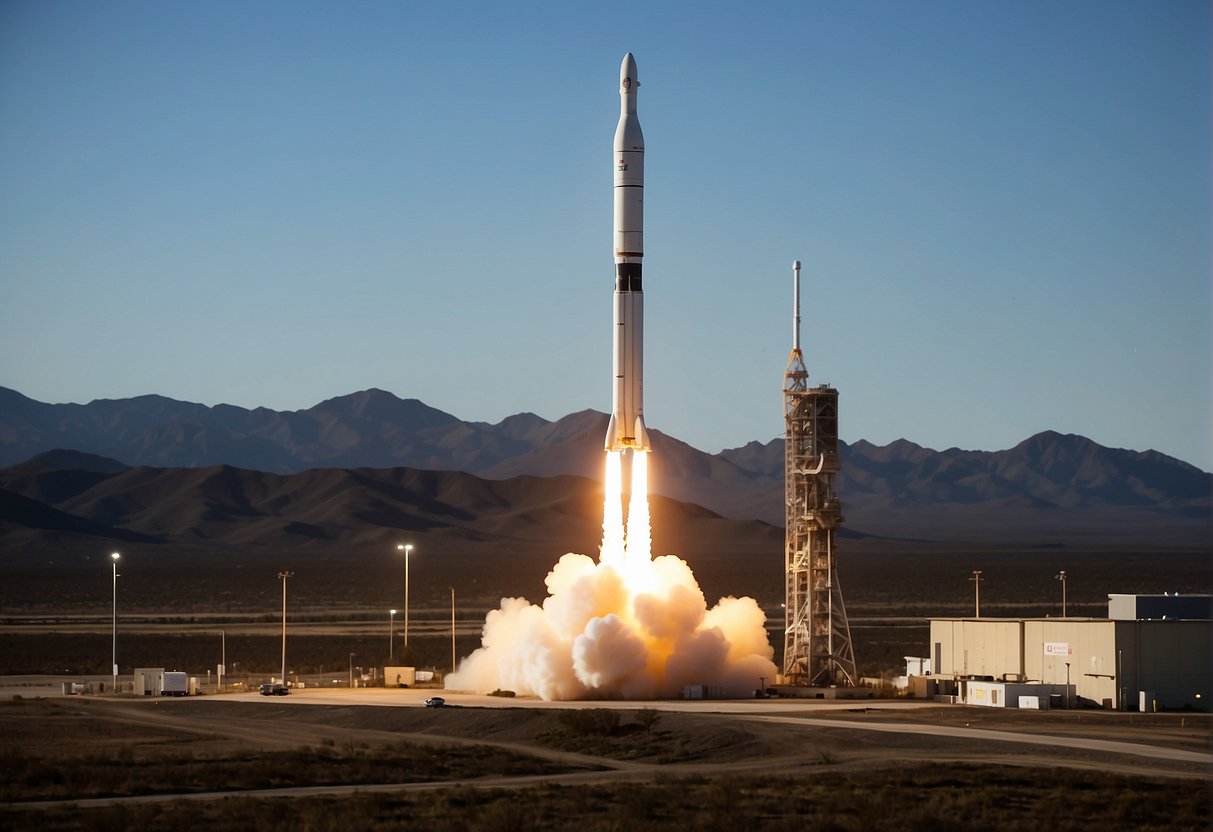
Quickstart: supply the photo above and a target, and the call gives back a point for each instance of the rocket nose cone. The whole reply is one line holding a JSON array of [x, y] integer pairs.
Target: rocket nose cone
[[627, 73]]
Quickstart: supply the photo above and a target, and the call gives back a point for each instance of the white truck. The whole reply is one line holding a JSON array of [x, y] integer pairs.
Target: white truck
[[175, 684]]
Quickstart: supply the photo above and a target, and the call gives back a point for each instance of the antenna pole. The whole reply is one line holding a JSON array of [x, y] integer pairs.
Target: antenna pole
[[796, 304]]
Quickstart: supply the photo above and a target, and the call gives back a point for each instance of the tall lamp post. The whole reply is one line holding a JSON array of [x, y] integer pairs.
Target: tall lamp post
[[391, 634], [452, 629], [222, 657], [1061, 576], [406, 548], [283, 576], [352, 670], [976, 579], [114, 645]]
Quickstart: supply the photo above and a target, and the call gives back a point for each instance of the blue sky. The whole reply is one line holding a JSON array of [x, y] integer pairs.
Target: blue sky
[[1003, 210]]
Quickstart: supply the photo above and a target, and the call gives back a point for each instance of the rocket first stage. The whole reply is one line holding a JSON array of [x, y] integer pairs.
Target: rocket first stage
[[626, 428]]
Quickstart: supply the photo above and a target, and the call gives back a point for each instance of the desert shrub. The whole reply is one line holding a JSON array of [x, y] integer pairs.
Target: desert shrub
[[505, 814], [988, 797], [641, 803], [646, 718], [596, 721]]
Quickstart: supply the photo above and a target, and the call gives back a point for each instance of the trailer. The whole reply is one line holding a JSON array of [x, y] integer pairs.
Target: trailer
[[175, 683]]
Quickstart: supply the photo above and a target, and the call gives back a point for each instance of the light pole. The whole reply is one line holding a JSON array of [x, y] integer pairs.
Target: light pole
[[1061, 576], [352, 671], [391, 634], [452, 629], [114, 651], [283, 576], [406, 548], [976, 579], [222, 657]]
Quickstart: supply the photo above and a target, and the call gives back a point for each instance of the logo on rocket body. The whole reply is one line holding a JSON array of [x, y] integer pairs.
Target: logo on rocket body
[[626, 428]]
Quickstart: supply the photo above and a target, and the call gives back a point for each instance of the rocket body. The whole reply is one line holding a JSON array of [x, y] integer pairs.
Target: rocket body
[[626, 429]]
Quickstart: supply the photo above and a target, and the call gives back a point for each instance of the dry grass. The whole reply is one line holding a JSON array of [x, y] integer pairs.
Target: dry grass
[[638, 736], [942, 798]]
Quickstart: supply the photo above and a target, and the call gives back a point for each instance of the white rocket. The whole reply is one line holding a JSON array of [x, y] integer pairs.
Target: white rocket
[[626, 429]]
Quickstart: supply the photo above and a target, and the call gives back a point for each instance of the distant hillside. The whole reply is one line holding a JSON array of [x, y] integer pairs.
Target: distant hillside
[[325, 506], [1051, 488]]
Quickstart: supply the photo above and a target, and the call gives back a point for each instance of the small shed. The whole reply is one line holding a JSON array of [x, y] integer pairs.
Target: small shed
[[149, 681]]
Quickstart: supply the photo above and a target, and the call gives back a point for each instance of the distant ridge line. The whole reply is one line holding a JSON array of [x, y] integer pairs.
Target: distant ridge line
[[896, 489]]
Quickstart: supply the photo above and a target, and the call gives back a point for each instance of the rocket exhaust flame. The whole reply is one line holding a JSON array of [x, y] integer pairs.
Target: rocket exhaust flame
[[627, 548], [613, 534], [638, 541], [630, 625]]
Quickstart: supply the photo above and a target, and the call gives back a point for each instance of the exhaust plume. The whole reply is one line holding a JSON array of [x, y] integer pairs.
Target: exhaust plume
[[629, 626]]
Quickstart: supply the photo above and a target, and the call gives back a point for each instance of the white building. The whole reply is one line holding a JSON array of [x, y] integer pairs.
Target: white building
[[1119, 663]]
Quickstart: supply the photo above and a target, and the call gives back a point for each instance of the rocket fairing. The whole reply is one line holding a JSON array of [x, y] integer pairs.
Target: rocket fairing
[[626, 428]]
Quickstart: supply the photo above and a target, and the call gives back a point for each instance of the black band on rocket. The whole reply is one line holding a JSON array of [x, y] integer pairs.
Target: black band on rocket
[[627, 277]]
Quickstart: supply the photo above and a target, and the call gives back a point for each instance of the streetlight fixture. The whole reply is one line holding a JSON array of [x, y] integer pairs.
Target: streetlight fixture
[[452, 629], [976, 579], [1061, 576], [352, 670], [391, 634], [406, 548], [283, 576], [114, 652]]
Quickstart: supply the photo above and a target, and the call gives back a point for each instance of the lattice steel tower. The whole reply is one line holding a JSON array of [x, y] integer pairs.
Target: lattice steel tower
[[817, 638]]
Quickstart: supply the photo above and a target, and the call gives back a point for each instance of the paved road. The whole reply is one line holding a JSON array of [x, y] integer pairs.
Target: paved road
[[398, 697], [956, 732]]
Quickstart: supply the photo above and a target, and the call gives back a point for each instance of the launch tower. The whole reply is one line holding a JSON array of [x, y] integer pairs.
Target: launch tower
[[817, 638]]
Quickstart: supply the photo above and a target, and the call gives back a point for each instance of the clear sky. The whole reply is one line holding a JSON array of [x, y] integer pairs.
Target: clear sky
[[1003, 210]]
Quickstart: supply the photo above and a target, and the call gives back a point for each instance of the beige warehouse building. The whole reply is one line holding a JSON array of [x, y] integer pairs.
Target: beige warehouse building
[[1121, 662]]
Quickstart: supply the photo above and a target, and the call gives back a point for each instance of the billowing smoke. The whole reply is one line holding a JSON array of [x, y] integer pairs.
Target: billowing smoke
[[629, 626]]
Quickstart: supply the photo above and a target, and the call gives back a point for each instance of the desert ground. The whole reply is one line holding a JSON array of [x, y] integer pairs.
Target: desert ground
[[378, 758], [327, 757]]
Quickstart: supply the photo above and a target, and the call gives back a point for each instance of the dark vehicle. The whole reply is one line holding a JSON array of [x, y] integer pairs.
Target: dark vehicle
[[274, 689], [435, 702]]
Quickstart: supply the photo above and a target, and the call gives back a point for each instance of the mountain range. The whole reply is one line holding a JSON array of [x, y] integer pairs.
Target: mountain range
[[244, 475]]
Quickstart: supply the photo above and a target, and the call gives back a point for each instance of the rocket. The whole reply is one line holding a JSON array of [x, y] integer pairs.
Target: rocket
[[626, 428]]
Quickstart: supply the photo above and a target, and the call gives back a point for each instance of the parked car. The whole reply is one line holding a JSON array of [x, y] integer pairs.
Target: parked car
[[435, 702], [274, 689]]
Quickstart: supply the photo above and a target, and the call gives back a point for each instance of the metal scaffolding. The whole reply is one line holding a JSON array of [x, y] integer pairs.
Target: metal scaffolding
[[817, 638]]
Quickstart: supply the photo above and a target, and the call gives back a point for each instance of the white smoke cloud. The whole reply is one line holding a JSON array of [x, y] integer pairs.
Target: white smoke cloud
[[625, 627]]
